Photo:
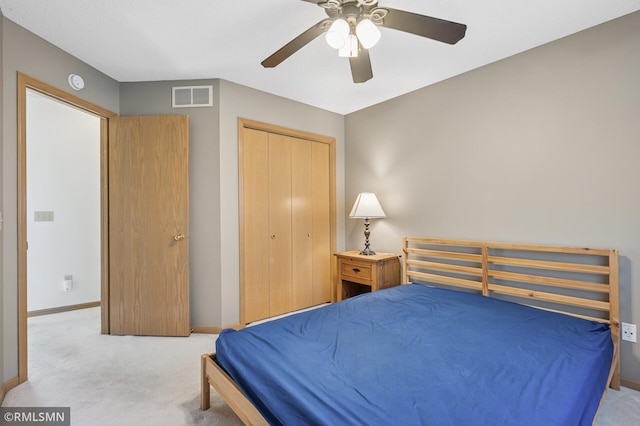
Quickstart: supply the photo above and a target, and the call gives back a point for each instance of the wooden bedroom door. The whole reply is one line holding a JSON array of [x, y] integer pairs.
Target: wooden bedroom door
[[148, 225], [287, 218]]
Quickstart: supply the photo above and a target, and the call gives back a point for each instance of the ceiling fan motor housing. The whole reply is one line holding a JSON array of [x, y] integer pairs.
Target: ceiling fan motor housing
[[367, 12], [350, 10]]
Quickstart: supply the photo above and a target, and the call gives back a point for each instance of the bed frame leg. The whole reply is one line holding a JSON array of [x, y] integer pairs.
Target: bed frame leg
[[615, 380], [205, 391]]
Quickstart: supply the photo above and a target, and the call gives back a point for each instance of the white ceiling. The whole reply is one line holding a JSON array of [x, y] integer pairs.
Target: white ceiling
[[148, 40]]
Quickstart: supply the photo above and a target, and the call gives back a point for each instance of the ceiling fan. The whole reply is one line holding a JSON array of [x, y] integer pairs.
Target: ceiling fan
[[352, 28]]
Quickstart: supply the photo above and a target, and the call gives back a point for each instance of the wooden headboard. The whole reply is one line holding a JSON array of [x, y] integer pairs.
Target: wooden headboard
[[582, 282]]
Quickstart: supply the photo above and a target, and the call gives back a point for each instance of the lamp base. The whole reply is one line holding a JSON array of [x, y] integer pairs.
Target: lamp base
[[367, 252]]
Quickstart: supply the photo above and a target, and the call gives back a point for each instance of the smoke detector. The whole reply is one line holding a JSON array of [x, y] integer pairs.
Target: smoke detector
[[76, 82]]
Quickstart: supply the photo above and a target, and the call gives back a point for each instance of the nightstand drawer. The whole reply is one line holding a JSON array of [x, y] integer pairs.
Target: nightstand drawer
[[359, 272]]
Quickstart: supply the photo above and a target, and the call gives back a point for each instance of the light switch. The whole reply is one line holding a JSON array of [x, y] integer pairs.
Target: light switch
[[43, 216]]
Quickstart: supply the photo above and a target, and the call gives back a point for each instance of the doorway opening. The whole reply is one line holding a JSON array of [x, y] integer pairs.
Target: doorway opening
[[35, 89], [63, 206]]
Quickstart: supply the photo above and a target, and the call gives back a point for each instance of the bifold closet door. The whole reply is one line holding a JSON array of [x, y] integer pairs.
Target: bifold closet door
[[311, 224], [280, 225], [285, 223], [254, 225], [321, 252], [302, 223]]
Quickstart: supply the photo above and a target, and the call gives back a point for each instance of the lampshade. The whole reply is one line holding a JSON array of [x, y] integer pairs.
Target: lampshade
[[368, 33], [337, 34], [367, 207], [350, 48]]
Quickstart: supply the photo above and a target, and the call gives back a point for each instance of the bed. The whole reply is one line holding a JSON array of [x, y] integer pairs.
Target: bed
[[451, 346]]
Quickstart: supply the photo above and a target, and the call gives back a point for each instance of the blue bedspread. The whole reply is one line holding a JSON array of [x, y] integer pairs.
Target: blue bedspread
[[415, 355]]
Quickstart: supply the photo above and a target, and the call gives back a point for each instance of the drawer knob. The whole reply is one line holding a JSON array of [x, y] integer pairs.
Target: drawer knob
[[356, 270]]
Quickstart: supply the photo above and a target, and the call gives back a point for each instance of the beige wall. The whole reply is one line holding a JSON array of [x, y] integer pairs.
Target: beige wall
[[542, 147], [240, 101], [23, 51], [1, 223], [214, 233], [152, 98], [214, 245]]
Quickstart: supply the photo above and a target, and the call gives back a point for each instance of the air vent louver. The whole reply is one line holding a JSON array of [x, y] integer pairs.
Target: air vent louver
[[192, 96]]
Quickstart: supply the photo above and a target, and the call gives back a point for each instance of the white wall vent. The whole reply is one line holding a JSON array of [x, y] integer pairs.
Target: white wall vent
[[192, 96]]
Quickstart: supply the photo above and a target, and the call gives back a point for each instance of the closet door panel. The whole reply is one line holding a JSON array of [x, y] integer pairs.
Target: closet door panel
[[321, 227], [302, 223], [287, 219], [280, 262], [254, 261]]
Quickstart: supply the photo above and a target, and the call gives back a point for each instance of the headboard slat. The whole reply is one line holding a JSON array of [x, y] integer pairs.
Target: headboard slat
[[556, 266], [446, 254], [557, 282], [550, 297], [586, 317], [446, 267], [582, 282], [476, 285]]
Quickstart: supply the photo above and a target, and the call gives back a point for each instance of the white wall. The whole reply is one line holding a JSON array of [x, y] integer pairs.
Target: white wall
[[63, 176]]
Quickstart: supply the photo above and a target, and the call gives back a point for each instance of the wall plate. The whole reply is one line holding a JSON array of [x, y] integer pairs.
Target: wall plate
[[629, 332]]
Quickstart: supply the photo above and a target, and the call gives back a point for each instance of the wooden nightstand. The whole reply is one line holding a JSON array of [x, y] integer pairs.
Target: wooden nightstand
[[359, 274]]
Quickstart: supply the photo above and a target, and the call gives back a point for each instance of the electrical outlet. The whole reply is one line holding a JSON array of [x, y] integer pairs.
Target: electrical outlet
[[67, 285], [629, 332]]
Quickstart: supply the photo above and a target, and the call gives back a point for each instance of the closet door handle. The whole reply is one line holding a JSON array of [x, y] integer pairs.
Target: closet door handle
[[179, 237]]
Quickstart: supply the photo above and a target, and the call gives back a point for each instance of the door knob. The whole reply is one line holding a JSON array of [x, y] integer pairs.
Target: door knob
[[179, 237]]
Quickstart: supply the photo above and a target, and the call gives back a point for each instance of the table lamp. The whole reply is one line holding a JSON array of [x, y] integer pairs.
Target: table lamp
[[367, 207]]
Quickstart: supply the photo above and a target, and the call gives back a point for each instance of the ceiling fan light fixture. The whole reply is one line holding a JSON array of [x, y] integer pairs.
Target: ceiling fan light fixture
[[368, 33], [337, 34], [350, 48]]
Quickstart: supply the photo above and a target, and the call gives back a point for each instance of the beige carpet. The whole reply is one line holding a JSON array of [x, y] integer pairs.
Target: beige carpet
[[115, 380]]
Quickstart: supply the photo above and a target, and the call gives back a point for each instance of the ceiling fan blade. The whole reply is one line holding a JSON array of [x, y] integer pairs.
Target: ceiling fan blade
[[425, 26], [294, 45], [361, 67]]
